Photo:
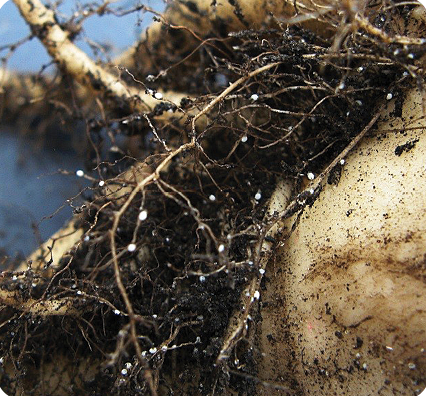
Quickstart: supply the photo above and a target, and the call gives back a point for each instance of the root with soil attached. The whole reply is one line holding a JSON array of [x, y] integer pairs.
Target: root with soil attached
[[225, 252]]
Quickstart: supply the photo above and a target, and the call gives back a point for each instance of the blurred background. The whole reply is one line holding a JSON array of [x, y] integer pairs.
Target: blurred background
[[31, 187]]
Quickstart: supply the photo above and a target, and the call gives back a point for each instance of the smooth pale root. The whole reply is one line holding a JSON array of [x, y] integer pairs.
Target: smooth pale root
[[345, 310], [78, 65], [56, 247]]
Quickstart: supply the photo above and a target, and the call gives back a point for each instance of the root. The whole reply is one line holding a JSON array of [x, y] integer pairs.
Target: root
[[280, 209], [36, 307], [203, 18], [74, 61], [158, 275]]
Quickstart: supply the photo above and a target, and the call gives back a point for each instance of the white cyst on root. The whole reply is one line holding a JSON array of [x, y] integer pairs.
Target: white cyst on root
[[79, 173], [143, 215], [221, 248], [212, 197], [131, 247], [310, 176], [254, 97], [158, 95]]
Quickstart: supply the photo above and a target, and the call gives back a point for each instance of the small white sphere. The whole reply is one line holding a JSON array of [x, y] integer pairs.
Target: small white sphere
[[131, 247], [143, 215]]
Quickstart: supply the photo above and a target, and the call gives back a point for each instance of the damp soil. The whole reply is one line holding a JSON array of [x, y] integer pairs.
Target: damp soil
[[184, 263]]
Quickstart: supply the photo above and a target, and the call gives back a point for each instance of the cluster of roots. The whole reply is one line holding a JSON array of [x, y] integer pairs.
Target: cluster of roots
[[146, 296]]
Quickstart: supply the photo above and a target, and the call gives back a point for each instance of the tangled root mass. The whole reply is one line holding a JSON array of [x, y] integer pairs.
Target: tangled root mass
[[186, 244]]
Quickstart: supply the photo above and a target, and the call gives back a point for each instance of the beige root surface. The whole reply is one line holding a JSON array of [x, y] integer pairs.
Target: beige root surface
[[94, 79], [345, 304], [73, 60]]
